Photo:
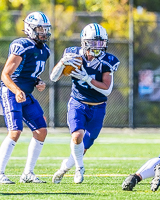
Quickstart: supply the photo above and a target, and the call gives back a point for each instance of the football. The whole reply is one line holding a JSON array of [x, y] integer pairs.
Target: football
[[69, 68]]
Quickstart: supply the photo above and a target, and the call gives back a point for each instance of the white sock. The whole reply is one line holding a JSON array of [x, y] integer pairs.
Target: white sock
[[68, 163], [34, 151], [147, 170], [77, 151], [6, 149]]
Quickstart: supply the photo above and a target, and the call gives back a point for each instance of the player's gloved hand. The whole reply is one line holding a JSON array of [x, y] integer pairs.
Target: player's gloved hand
[[68, 59], [41, 86], [71, 59], [81, 74]]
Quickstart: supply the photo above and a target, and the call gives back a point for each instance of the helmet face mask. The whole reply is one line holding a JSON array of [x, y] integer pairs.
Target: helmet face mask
[[94, 39], [37, 26], [43, 32]]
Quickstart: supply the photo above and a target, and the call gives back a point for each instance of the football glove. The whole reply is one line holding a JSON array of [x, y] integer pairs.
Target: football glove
[[81, 75], [70, 59]]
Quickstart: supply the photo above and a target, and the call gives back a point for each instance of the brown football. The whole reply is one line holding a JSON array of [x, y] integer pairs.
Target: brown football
[[68, 68]]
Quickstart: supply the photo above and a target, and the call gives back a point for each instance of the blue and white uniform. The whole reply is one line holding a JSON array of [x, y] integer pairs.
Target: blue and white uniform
[[81, 115], [25, 77]]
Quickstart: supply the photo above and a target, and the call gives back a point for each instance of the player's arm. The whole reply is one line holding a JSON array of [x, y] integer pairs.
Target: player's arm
[[11, 65], [57, 70], [68, 59], [106, 81], [104, 87]]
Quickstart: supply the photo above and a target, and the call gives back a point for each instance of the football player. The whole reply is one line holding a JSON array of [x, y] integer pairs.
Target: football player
[[20, 75], [90, 87], [150, 169]]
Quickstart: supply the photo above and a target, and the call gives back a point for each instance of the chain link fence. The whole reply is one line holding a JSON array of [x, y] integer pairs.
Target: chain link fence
[[147, 76], [146, 79], [117, 101]]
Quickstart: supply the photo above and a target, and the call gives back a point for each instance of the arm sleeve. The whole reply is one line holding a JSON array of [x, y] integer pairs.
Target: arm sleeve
[[102, 91]]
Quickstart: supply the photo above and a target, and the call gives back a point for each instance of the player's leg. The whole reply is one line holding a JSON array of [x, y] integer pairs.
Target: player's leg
[[13, 119], [66, 165], [130, 182], [90, 119], [33, 117], [146, 171], [156, 180], [94, 126], [75, 120], [77, 151], [6, 150], [96, 113]]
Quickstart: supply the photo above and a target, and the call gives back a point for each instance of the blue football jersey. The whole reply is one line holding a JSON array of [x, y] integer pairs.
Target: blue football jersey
[[32, 64], [81, 91]]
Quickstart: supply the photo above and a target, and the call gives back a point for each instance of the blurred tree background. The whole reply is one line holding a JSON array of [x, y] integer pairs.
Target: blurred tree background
[[114, 14]]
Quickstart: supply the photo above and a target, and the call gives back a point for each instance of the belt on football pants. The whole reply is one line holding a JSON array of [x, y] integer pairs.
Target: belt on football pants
[[92, 104]]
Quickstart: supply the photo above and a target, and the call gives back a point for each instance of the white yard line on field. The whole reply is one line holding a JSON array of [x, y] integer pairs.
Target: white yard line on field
[[100, 140], [72, 175], [85, 158]]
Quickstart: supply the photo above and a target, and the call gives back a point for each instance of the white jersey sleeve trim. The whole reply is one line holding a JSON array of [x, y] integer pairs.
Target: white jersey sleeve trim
[[18, 49], [102, 91]]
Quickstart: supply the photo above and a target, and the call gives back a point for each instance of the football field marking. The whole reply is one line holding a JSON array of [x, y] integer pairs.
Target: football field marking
[[85, 158], [85, 175], [99, 140]]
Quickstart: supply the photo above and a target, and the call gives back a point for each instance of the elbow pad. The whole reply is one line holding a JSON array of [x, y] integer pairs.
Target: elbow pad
[[57, 71], [102, 91]]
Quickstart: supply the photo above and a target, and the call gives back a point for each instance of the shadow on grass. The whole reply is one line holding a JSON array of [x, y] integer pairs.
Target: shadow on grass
[[51, 193]]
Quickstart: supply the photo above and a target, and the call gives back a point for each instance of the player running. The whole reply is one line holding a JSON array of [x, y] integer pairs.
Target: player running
[[26, 61], [90, 87]]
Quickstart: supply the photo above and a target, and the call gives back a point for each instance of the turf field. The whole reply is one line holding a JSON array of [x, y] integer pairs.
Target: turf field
[[114, 155]]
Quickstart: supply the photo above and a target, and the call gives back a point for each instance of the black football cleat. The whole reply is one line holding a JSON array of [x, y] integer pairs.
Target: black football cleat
[[130, 182]]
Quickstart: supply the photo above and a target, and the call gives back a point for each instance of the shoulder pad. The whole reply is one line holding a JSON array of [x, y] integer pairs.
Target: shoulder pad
[[111, 61], [48, 49], [24, 41], [74, 50], [20, 45]]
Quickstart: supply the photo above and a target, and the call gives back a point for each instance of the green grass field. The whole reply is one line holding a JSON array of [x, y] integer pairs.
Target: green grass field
[[107, 163]]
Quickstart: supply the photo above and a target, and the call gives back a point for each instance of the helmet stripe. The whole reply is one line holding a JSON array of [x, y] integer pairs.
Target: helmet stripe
[[97, 29], [44, 17]]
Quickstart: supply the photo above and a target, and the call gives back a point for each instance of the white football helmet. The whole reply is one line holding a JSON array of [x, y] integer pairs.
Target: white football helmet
[[94, 39], [37, 26]]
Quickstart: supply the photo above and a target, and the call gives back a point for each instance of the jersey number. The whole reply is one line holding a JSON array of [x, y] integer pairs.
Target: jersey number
[[40, 65]]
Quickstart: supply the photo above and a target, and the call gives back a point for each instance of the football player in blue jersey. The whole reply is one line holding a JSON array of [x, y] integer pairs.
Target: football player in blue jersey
[[26, 61], [90, 87]]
